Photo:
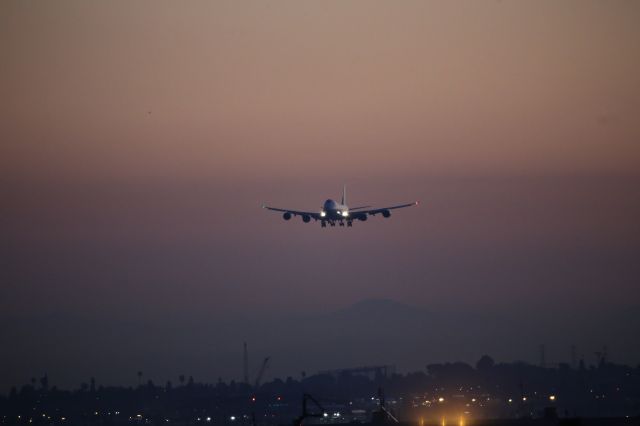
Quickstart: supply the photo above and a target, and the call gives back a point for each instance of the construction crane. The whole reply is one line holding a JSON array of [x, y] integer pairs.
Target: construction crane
[[245, 368], [382, 415], [263, 368], [246, 364], [305, 412]]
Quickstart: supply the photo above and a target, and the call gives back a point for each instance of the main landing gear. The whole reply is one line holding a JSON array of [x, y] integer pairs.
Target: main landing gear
[[323, 223]]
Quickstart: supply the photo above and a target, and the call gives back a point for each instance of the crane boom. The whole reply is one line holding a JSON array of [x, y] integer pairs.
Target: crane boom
[[305, 412], [263, 368], [245, 364]]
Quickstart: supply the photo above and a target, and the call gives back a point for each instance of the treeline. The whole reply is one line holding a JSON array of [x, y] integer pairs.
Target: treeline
[[605, 389]]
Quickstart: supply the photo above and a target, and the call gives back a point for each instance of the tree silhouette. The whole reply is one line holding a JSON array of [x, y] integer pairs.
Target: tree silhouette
[[139, 378], [44, 382], [485, 363]]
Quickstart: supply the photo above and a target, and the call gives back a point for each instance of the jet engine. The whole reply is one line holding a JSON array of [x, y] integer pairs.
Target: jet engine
[[286, 216], [386, 213], [306, 218]]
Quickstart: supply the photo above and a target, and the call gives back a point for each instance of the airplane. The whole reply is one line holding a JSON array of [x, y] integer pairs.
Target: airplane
[[333, 212]]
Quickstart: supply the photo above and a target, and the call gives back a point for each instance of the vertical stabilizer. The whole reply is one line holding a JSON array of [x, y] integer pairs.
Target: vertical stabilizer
[[344, 195]]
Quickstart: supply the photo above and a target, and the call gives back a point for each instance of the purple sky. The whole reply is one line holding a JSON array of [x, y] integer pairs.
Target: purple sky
[[138, 142]]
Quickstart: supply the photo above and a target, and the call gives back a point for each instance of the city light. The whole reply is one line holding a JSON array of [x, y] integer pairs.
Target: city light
[[552, 397], [441, 399]]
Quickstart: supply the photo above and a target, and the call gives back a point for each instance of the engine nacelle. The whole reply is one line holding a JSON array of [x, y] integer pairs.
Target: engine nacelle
[[386, 213], [362, 216], [286, 216], [306, 218]]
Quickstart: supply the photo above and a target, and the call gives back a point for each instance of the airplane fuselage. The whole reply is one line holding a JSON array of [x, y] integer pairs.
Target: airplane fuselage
[[332, 210]]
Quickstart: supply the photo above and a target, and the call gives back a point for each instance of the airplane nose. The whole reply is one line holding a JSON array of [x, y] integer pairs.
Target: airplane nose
[[329, 204]]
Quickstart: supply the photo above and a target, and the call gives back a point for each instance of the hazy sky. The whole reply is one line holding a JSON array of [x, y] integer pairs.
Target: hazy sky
[[138, 141]]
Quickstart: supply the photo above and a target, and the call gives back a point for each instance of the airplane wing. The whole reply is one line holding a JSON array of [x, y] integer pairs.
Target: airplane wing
[[306, 216], [382, 210]]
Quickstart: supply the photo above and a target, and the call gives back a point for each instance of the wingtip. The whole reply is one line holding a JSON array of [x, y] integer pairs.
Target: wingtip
[[416, 203]]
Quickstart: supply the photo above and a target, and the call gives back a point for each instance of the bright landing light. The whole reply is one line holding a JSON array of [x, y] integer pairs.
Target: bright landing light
[[323, 213], [345, 214]]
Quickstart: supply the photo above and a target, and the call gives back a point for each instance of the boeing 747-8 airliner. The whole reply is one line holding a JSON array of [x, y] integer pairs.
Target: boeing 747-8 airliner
[[333, 212]]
